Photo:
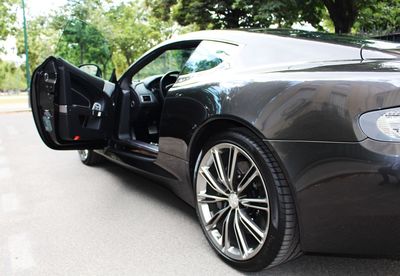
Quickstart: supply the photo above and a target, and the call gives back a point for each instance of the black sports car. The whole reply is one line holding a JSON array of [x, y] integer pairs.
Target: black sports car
[[284, 142]]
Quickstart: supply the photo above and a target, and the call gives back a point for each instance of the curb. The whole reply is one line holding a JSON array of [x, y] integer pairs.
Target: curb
[[14, 111]]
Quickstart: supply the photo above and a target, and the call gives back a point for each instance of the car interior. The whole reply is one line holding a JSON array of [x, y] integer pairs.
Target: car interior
[[142, 95]]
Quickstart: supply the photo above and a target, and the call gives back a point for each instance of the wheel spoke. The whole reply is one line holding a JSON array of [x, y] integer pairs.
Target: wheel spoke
[[220, 168], [204, 172], [233, 152], [205, 198], [242, 243], [255, 203], [225, 232], [216, 218], [251, 226], [232, 201], [248, 178]]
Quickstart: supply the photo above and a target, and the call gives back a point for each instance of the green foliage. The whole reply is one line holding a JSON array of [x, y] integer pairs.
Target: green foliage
[[121, 32], [131, 35], [81, 43], [381, 17], [343, 13], [11, 76], [42, 40], [161, 9], [228, 14], [83, 9], [117, 34], [7, 17], [132, 30], [221, 14]]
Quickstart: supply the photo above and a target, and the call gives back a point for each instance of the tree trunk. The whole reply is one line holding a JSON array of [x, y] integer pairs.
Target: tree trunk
[[127, 56], [343, 14], [342, 25]]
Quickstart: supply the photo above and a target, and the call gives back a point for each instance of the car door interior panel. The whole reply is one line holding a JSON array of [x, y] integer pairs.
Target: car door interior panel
[[74, 107]]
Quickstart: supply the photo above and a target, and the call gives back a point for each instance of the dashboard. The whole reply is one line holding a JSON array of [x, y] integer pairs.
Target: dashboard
[[148, 91]]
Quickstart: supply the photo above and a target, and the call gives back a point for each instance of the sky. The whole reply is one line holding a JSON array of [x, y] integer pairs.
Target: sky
[[42, 7]]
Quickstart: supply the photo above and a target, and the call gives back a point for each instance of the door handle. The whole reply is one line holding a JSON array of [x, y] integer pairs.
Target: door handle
[[97, 109]]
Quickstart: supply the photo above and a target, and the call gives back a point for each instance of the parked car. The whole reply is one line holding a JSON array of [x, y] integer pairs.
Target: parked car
[[284, 142]]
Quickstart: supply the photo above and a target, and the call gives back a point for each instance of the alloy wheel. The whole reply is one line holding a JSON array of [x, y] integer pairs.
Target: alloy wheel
[[233, 202], [83, 154]]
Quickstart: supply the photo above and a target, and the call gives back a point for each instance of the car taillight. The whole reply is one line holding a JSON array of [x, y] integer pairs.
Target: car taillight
[[382, 125]]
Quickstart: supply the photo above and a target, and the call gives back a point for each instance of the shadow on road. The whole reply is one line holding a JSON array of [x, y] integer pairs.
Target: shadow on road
[[305, 265], [138, 183]]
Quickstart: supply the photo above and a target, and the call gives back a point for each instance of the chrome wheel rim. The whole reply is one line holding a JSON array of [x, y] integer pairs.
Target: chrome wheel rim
[[232, 201], [83, 154]]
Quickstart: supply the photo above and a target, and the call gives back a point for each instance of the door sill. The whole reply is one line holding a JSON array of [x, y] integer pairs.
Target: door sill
[[140, 147]]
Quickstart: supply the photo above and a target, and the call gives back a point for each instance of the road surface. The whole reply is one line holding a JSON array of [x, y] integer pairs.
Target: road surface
[[58, 217], [13, 103]]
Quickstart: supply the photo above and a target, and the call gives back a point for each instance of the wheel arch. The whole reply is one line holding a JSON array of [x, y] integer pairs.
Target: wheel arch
[[222, 123], [210, 126]]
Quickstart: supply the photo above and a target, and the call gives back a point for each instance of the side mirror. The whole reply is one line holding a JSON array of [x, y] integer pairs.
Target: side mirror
[[91, 69]]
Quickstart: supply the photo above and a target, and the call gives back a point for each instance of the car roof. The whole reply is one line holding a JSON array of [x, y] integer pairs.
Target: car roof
[[248, 36]]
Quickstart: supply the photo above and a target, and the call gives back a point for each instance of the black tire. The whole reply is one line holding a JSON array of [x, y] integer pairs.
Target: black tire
[[90, 158], [282, 237]]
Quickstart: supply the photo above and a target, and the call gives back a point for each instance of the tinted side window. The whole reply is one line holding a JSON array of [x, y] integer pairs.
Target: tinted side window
[[208, 55]]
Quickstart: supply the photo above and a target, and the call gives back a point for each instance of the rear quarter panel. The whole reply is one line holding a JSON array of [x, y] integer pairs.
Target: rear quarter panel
[[315, 104], [309, 116]]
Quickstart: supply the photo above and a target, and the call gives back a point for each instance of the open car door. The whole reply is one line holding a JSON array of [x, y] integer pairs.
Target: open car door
[[71, 108]]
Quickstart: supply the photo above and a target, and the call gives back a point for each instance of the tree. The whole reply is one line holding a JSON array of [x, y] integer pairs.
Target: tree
[[7, 17], [82, 43], [344, 13], [42, 40], [382, 17], [11, 76], [79, 40], [121, 32], [134, 31], [284, 13], [228, 14], [221, 14]]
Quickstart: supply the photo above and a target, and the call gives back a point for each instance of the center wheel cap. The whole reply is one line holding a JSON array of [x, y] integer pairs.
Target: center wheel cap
[[233, 201]]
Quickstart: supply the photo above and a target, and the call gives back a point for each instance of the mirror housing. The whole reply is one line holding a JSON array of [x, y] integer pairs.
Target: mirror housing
[[91, 69]]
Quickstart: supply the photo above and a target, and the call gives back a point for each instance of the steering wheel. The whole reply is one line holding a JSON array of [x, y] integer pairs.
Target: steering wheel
[[165, 87]]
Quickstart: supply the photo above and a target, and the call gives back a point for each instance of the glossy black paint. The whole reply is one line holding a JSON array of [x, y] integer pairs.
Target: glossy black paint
[[347, 194], [308, 115], [303, 97]]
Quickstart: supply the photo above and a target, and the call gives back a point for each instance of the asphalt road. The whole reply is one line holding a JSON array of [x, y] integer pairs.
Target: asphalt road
[[58, 217]]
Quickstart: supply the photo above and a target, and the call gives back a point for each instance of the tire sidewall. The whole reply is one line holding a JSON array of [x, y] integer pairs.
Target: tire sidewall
[[272, 244], [92, 158]]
